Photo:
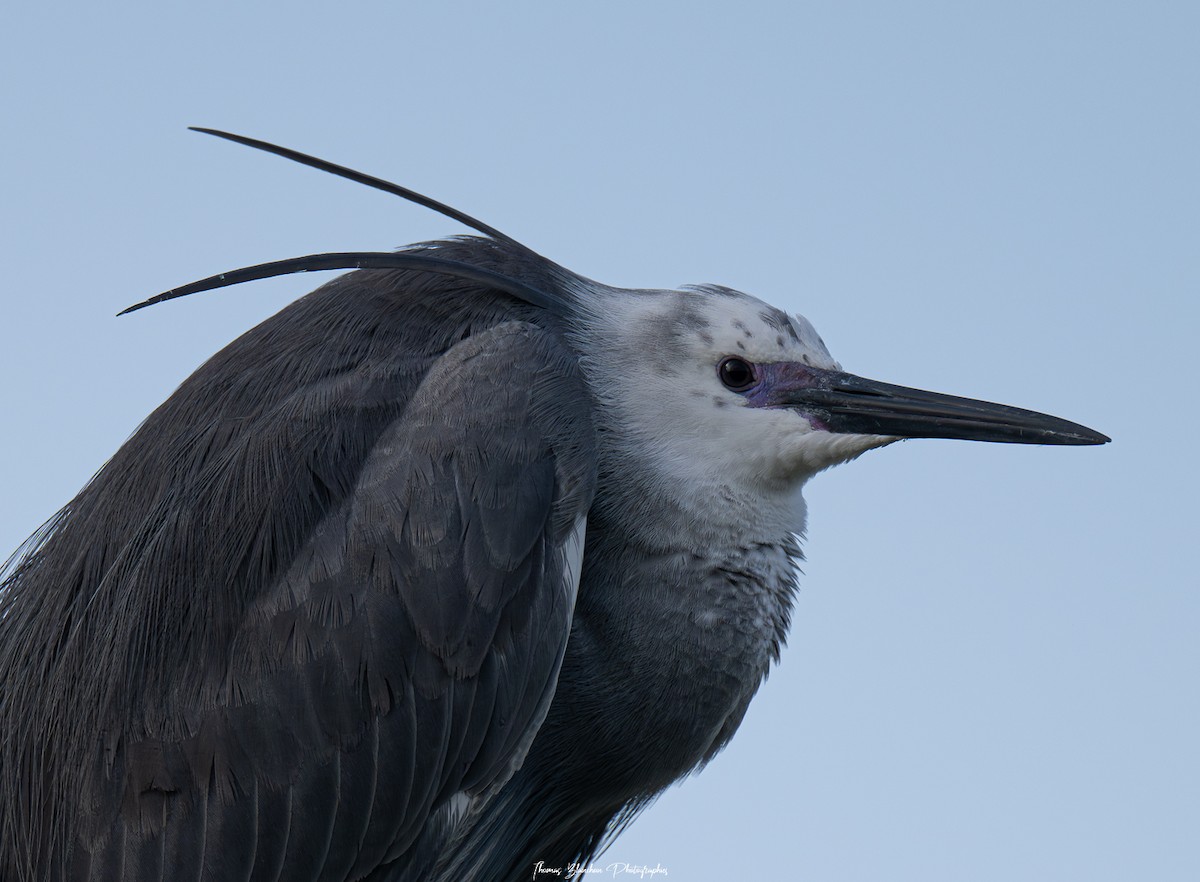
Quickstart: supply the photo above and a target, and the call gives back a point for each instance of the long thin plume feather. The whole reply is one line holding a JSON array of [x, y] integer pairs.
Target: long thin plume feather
[[369, 180], [361, 260]]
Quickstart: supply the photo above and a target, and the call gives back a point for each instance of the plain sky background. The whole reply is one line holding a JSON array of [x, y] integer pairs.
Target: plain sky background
[[992, 673]]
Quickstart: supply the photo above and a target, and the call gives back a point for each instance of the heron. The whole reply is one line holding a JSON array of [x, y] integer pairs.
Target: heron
[[443, 572]]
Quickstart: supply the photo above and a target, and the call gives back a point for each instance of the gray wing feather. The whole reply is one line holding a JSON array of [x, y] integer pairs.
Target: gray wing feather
[[407, 654]]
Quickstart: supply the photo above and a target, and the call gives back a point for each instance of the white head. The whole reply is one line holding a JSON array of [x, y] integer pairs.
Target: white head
[[668, 359], [654, 359]]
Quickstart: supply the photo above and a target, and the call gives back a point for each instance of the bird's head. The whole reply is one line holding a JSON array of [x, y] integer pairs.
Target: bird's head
[[716, 381]]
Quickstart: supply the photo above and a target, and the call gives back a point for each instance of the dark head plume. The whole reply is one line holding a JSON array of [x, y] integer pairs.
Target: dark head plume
[[369, 180], [423, 262], [360, 260]]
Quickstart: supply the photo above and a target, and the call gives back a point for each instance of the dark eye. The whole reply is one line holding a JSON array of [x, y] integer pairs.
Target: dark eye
[[736, 374]]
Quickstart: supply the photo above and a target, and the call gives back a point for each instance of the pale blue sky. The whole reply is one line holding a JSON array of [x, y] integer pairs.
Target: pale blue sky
[[992, 673]]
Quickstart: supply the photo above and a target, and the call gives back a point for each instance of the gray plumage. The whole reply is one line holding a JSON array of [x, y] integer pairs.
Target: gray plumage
[[432, 575]]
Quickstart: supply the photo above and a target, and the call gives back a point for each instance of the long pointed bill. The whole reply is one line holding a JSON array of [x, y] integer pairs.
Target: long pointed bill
[[847, 404]]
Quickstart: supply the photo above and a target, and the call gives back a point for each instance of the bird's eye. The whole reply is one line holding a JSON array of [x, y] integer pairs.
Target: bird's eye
[[737, 374]]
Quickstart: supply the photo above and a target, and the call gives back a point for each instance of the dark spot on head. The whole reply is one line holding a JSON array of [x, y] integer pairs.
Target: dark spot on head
[[714, 290], [778, 319], [741, 345], [779, 339], [687, 316], [806, 359], [705, 338], [719, 402], [665, 337]]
